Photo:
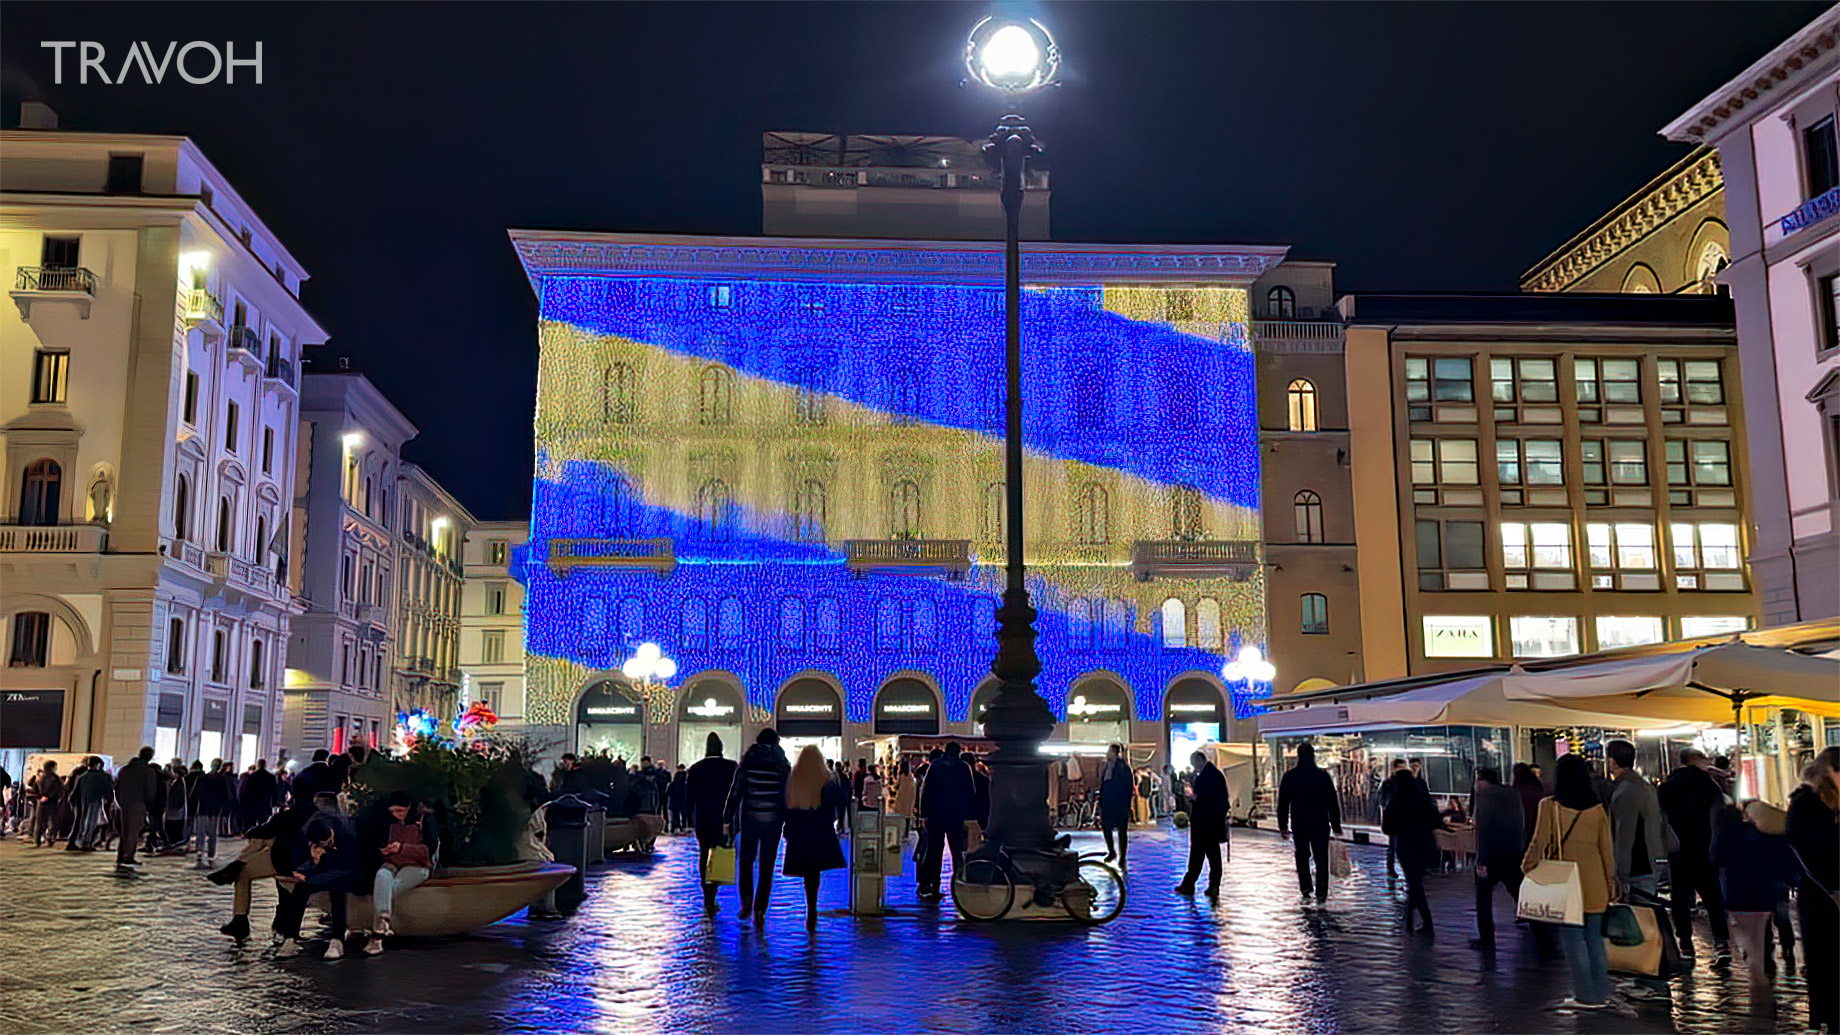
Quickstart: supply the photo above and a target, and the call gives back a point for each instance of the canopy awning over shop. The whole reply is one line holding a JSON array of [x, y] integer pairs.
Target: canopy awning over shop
[[1473, 700], [1655, 687], [1711, 684]]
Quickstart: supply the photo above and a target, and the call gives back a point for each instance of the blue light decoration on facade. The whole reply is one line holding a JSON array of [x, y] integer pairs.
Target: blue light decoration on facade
[[1151, 388]]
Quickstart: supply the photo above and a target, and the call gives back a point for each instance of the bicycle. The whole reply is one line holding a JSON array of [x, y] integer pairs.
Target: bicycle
[[986, 889]]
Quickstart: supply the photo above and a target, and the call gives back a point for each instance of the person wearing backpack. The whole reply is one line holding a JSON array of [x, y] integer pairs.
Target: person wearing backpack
[[1573, 826]]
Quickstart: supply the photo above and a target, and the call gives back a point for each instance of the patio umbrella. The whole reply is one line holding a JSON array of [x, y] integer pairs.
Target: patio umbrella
[[1712, 684]]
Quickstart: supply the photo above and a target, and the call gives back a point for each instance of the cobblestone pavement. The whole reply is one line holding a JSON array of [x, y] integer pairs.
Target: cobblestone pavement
[[82, 949]]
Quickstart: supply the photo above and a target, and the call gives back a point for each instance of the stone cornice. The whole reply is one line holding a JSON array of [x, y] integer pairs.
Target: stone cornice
[[558, 253], [1690, 181], [1795, 59]]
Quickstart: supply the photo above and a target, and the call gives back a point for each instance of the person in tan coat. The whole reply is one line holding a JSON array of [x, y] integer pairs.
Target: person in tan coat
[[1572, 825]]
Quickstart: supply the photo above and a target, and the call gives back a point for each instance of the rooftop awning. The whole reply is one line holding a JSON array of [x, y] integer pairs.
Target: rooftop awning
[[1710, 684], [1474, 700]]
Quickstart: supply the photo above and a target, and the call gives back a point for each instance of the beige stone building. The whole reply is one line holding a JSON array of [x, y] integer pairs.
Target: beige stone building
[[1668, 238], [492, 619], [1544, 475], [425, 672]]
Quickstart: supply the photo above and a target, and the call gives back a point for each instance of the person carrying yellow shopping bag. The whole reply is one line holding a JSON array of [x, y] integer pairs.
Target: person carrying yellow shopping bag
[[1572, 834]]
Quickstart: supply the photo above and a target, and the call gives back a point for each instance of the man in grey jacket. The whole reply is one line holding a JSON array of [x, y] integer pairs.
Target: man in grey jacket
[[1635, 820]]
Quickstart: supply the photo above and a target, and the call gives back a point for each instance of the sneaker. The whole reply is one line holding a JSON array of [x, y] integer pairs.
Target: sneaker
[[1185, 889], [287, 948], [1571, 1003], [237, 928], [373, 946], [381, 928], [335, 950]]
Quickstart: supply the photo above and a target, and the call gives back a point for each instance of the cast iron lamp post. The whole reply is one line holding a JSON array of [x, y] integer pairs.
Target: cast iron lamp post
[[1016, 56]]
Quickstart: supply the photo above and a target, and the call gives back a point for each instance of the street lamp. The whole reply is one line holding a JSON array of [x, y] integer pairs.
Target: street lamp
[[1016, 56], [649, 669], [1249, 667]]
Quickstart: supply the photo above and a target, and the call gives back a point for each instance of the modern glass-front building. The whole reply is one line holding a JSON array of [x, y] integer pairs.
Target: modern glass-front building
[[780, 460]]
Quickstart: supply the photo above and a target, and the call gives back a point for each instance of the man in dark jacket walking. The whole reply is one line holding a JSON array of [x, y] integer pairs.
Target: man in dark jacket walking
[[705, 799], [756, 813], [1116, 787], [136, 787], [1500, 843], [256, 798], [1207, 824], [946, 801], [1688, 796], [1308, 809], [47, 789]]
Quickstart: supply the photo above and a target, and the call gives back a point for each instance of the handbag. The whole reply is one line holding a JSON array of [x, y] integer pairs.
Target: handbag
[[1552, 892], [1339, 863], [1622, 928], [720, 868]]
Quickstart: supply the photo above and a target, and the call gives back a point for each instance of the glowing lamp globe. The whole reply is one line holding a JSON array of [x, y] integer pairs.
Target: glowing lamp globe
[[1249, 666], [1013, 56]]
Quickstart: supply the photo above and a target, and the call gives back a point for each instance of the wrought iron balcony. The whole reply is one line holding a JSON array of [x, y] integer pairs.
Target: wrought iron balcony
[[53, 284], [1236, 559], [280, 370], [566, 555], [951, 555], [53, 538], [247, 340], [204, 310]]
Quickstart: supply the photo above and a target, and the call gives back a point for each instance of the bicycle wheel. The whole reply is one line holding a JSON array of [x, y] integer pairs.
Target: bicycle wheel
[[983, 891], [1097, 896]]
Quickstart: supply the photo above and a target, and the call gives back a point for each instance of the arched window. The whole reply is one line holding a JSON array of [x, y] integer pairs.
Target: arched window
[[40, 492], [261, 544], [714, 400], [714, 510], [1315, 607], [696, 624], [809, 511], [1175, 623], [792, 624], [1080, 626], [617, 507], [888, 625], [1094, 514], [1308, 508], [1280, 304], [1712, 261], [921, 636], [1207, 624], [617, 394], [1302, 398], [904, 396], [1186, 513], [182, 507], [904, 510], [732, 624], [225, 541], [828, 625], [993, 512]]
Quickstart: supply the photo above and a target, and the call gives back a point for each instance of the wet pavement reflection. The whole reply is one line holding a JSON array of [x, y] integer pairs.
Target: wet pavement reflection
[[82, 949]]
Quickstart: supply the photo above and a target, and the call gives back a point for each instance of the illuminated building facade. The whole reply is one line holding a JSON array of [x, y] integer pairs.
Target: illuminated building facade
[[148, 405], [780, 460], [1546, 474], [1776, 127]]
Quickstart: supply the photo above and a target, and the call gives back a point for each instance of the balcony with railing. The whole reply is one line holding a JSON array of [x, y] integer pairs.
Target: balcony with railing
[[566, 555], [204, 311], [246, 341], [279, 370], [53, 538], [1236, 559], [950, 555], [1298, 335], [53, 284]]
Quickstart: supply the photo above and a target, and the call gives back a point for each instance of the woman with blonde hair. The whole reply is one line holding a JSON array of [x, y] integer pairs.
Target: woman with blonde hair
[[813, 796]]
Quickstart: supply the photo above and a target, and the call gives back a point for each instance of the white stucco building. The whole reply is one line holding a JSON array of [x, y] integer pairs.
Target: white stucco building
[[344, 558], [1774, 127], [148, 412], [492, 619], [426, 671]]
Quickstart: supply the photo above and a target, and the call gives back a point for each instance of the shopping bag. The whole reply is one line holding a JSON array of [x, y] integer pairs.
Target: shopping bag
[[1552, 892], [1641, 942], [1622, 928], [721, 866], [1339, 863]]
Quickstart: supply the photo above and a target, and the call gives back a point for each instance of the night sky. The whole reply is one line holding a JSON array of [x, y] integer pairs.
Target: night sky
[[1419, 146]]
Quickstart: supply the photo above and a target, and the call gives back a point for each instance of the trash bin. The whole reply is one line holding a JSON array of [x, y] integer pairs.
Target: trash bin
[[567, 818]]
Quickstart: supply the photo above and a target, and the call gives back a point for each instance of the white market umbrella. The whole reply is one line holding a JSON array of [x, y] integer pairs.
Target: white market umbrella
[[1712, 684], [1464, 700]]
